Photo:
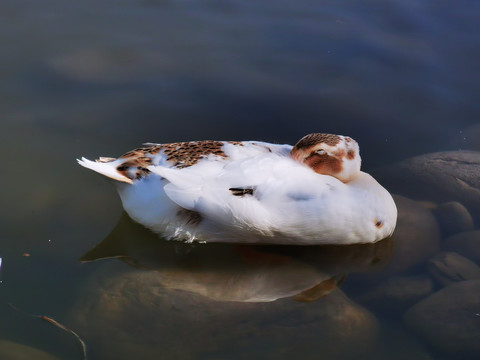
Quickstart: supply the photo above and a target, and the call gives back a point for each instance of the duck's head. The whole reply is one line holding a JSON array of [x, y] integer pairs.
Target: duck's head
[[329, 154]]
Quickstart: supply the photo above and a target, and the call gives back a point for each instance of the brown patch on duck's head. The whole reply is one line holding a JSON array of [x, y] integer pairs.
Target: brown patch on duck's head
[[324, 163], [329, 154]]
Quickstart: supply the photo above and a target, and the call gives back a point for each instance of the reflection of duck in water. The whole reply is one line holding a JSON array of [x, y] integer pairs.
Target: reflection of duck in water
[[245, 273], [215, 191]]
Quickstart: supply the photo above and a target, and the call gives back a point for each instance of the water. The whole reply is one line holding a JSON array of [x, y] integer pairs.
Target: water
[[100, 78]]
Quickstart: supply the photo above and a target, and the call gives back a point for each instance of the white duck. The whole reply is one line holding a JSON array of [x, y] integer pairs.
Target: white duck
[[255, 192]]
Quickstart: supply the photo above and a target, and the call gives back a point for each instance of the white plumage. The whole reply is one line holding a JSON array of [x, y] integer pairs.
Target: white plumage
[[253, 192]]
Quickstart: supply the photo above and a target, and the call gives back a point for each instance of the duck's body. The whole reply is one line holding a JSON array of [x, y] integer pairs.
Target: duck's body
[[216, 191]]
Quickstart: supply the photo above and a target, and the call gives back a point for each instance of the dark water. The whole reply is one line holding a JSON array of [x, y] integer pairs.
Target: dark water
[[101, 77]]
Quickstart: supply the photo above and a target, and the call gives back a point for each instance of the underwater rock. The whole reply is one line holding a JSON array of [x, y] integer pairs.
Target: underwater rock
[[416, 237], [133, 315], [440, 177], [397, 293], [398, 343], [449, 267], [10, 350], [466, 244], [453, 218], [448, 320]]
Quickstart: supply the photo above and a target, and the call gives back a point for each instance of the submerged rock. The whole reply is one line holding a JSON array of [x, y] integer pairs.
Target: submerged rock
[[448, 320], [10, 350], [466, 244], [449, 267], [453, 218], [133, 315], [441, 177], [398, 343], [397, 293], [416, 237]]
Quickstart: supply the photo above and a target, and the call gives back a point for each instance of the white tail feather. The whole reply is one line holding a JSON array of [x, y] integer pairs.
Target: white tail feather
[[109, 169]]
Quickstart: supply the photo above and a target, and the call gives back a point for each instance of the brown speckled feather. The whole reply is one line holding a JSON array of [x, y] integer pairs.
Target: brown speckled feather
[[179, 155]]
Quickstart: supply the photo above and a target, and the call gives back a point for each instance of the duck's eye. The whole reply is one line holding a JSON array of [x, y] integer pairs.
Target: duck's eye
[[321, 152]]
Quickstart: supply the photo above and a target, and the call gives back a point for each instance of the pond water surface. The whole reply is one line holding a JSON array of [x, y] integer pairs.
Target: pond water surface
[[98, 78]]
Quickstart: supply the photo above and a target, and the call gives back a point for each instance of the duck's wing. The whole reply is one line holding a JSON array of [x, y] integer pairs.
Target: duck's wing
[[248, 192], [134, 164]]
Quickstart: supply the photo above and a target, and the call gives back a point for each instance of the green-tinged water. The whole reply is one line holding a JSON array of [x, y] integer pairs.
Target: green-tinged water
[[100, 78]]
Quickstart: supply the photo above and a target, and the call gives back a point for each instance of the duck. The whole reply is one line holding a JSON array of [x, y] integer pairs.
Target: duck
[[311, 193]]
